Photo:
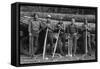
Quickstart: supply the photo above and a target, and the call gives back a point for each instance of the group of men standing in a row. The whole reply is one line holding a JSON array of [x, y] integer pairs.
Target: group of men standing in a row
[[37, 33]]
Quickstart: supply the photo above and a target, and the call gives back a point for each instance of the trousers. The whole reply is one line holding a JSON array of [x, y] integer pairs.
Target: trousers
[[33, 43], [73, 44]]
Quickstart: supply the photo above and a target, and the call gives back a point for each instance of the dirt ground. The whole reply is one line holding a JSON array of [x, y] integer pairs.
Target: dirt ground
[[48, 58]]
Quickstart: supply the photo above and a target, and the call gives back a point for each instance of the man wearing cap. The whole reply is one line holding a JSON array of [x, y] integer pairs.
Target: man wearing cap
[[49, 26], [72, 30], [86, 37], [34, 27], [44, 25], [61, 40]]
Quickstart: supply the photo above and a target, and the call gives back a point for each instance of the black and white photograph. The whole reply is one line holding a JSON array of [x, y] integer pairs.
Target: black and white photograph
[[53, 34]]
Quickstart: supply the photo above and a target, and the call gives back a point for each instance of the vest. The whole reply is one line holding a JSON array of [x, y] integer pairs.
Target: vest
[[72, 29]]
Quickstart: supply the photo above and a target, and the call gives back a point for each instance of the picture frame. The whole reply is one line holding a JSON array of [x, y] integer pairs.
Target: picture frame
[[22, 11]]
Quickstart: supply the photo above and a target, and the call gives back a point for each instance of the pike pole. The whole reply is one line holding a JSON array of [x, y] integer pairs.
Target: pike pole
[[56, 45], [86, 49], [30, 38], [86, 42], [44, 48], [30, 44]]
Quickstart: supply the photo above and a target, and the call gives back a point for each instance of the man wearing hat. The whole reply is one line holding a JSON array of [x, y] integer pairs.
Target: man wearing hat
[[49, 26], [72, 30], [61, 40], [86, 37], [44, 25], [34, 27]]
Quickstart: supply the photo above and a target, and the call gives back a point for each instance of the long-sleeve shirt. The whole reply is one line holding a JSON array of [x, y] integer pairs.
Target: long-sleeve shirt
[[49, 25], [34, 25], [44, 25]]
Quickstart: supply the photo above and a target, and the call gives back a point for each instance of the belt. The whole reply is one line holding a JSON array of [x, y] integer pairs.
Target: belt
[[36, 31]]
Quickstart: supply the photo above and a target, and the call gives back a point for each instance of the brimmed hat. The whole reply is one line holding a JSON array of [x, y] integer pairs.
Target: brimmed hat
[[73, 18], [48, 16]]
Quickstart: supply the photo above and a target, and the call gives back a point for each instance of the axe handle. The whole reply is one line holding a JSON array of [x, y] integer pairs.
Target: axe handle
[[86, 41], [56, 45], [44, 48], [30, 38]]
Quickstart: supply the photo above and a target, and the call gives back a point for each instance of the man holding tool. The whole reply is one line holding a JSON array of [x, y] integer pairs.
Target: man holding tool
[[86, 38], [61, 39]]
